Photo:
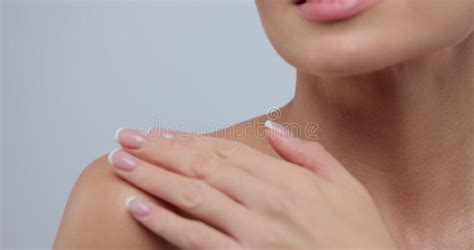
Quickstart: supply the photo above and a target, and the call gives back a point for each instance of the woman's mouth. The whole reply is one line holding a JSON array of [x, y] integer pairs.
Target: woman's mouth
[[332, 10]]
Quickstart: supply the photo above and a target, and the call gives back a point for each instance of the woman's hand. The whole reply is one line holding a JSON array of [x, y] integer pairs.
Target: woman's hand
[[230, 196]]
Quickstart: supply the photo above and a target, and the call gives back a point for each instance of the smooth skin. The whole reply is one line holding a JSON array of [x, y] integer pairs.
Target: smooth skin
[[392, 92], [247, 195]]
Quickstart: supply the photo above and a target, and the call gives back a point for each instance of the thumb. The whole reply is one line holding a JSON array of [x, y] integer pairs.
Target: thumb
[[308, 154]]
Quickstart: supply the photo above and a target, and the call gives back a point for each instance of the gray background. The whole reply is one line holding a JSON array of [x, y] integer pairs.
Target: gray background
[[73, 72]]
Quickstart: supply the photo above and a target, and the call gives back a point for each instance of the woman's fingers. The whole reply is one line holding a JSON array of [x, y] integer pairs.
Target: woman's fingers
[[182, 232], [308, 154], [211, 168], [161, 146], [196, 155], [192, 196]]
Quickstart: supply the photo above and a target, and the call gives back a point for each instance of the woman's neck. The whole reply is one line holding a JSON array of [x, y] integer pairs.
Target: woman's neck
[[406, 132]]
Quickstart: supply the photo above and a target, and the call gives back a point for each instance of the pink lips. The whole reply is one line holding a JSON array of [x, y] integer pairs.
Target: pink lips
[[333, 10]]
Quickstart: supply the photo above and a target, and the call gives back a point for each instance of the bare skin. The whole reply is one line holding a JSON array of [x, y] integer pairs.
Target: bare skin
[[405, 132]]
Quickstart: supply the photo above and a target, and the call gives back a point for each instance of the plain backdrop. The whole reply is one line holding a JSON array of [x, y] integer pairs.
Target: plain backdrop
[[75, 71]]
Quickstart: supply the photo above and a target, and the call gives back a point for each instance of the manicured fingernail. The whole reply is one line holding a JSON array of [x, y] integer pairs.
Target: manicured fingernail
[[122, 160], [130, 138], [137, 207], [278, 129]]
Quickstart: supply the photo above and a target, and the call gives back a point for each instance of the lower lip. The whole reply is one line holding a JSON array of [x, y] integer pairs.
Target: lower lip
[[333, 10]]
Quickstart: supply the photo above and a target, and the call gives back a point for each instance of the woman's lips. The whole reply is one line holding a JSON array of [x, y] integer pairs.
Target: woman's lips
[[332, 10]]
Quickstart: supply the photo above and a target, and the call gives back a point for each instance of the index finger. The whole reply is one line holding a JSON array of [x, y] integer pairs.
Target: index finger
[[172, 148]]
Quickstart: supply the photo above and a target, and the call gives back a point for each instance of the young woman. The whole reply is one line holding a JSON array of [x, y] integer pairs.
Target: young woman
[[390, 86]]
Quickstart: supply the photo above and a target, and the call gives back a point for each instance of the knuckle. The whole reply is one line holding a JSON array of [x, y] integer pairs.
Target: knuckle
[[274, 237], [227, 149], [206, 143], [280, 203], [192, 194], [202, 165], [191, 140]]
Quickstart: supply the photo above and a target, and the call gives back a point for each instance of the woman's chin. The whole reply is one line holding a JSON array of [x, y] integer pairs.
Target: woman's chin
[[333, 58], [335, 68]]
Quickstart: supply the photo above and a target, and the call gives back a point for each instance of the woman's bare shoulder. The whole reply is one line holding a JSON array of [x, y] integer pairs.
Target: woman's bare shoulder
[[95, 216]]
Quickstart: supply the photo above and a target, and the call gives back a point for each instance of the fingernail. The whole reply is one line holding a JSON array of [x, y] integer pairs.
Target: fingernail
[[278, 129], [137, 207], [130, 138], [122, 160]]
